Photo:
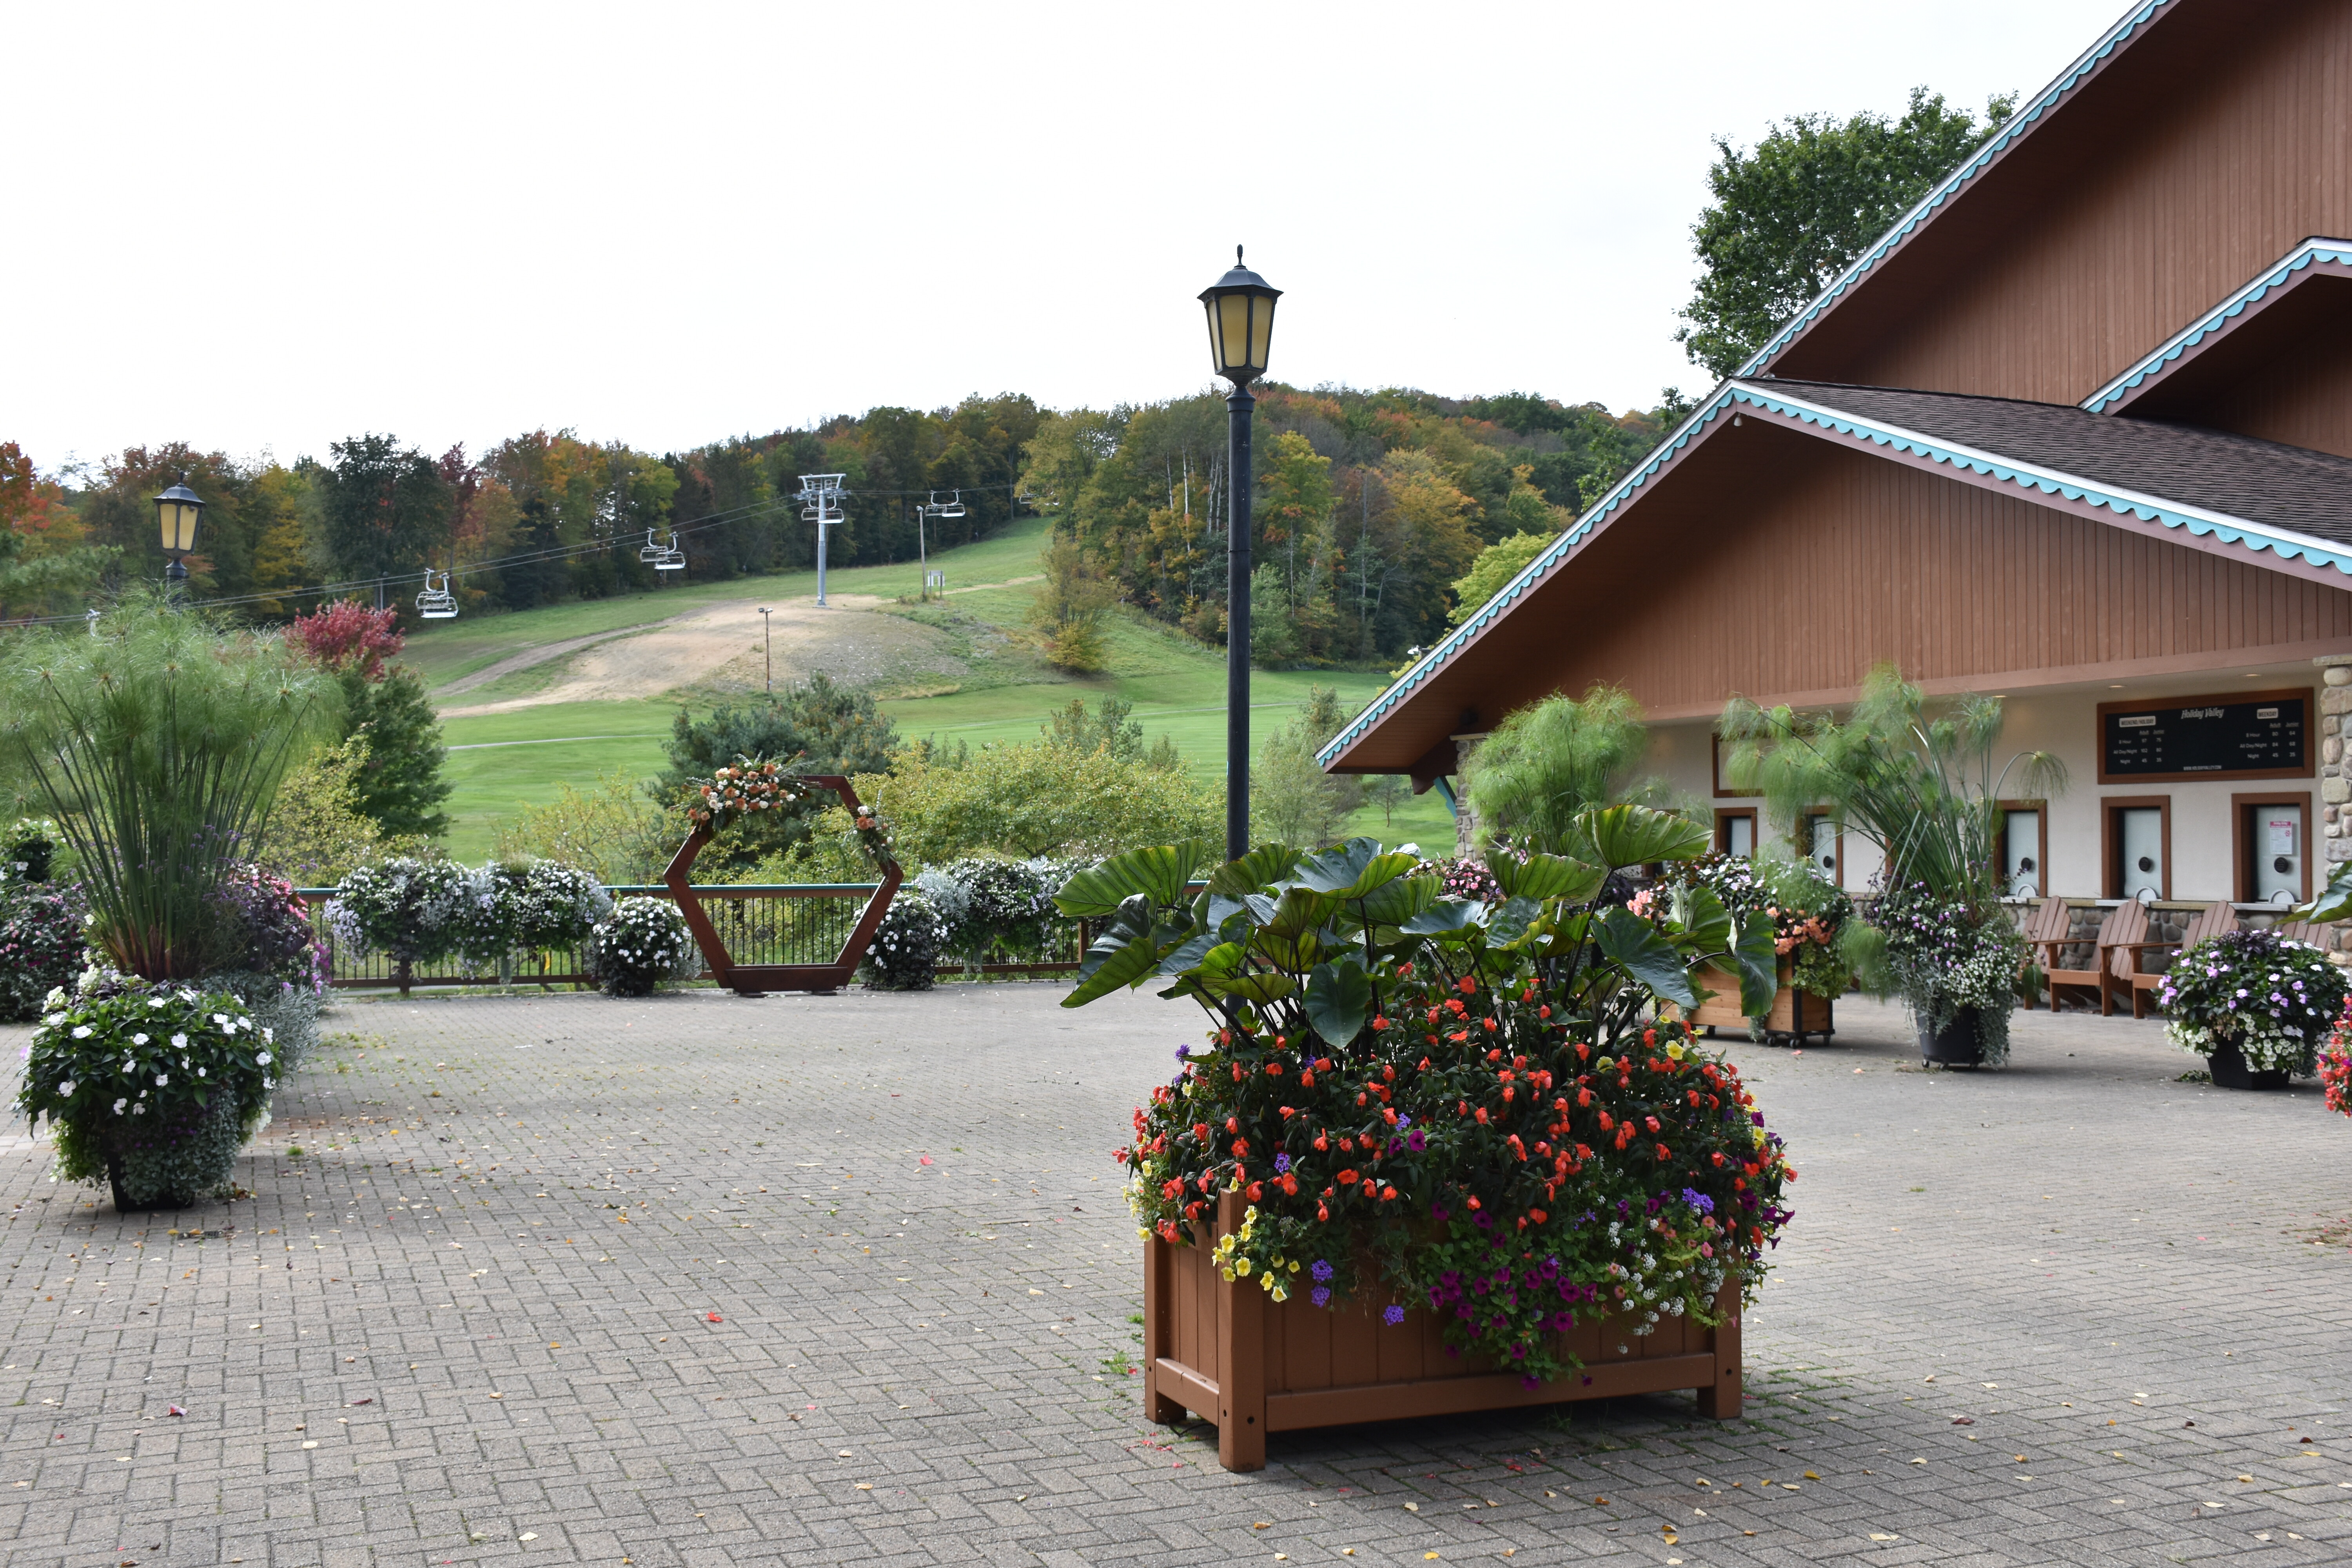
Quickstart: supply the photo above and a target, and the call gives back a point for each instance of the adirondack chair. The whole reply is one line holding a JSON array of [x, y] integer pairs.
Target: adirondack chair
[[2124, 924], [2047, 923], [2132, 971]]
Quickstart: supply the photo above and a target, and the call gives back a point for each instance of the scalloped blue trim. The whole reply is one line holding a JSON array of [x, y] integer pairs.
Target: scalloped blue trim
[[2309, 252], [2017, 125], [2255, 537]]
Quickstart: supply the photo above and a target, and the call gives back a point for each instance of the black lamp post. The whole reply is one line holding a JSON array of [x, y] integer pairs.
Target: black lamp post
[[178, 511], [1241, 324]]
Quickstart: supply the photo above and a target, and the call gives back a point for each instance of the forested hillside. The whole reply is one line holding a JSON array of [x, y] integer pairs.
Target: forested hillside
[[1370, 505]]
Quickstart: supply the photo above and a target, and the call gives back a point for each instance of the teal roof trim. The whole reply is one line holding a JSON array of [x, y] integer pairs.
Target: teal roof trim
[[1512, 592], [2258, 537], [2311, 252], [2018, 126]]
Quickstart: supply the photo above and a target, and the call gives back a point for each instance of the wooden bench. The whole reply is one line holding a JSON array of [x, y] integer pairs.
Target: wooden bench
[[2125, 924], [2129, 970], [2048, 923]]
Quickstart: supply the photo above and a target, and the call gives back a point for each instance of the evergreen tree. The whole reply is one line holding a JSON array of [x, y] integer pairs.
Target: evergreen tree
[[820, 728], [400, 788]]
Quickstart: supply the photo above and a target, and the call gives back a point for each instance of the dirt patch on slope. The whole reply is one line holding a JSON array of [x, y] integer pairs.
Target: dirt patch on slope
[[720, 646]]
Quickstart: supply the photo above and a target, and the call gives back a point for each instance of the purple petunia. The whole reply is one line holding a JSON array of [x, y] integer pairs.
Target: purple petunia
[[1322, 1271], [1417, 1142], [1393, 1316], [1320, 1295], [1281, 1163]]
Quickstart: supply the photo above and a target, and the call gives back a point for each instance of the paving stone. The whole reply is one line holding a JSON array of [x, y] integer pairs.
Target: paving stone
[[484, 1289]]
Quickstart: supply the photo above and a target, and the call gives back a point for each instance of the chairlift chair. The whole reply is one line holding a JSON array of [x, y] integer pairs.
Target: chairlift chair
[[952, 507], [672, 556], [649, 552], [437, 604]]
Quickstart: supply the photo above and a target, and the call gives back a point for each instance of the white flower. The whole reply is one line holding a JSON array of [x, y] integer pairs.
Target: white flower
[[179, 1042], [162, 1079], [200, 1072], [270, 1035], [140, 1109], [262, 1060], [65, 1088], [138, 1039], [154, 1001], [119, 1105], [222, 1019], [81, 1031]]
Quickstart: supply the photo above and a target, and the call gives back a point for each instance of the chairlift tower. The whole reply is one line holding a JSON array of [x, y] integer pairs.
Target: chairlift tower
[[820, 497]]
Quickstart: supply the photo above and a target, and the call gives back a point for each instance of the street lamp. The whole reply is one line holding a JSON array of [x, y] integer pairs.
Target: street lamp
[[767, 650], [1241, 326], [178, 511]]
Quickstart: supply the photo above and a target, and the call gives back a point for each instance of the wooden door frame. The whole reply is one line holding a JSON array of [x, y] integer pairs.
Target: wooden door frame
[[1724, 814], [1806, 847], [2041, 809], [2111, 880], [2241, 861]]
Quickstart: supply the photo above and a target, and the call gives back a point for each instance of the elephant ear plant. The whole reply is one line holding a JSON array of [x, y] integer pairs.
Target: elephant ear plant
[[1491, 1105]]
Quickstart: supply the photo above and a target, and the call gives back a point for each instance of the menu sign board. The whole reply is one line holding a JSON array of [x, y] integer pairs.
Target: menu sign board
[[2231, 735]]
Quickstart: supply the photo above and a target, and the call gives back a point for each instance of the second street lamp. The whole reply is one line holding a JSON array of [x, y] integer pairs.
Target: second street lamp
[[178, 511], [1241, 327]]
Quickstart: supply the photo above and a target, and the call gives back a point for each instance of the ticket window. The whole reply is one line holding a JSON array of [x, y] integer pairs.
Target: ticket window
[[2022, 875], [1820, 843], [2272, 851], [1735, 833], [2138, 844]]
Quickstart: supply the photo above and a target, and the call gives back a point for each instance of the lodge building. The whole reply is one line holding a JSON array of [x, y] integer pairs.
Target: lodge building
[[2077, 431]]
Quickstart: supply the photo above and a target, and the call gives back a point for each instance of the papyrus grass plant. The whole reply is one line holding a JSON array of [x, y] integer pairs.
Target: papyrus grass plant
[[157, 738]]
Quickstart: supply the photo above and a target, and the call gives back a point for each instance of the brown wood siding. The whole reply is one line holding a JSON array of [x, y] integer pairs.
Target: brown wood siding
[[1703, 591], [2286, 376], [2209, 150]]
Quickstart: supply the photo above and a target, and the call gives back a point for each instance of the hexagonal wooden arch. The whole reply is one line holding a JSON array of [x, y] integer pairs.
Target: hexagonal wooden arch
[[752, 979]]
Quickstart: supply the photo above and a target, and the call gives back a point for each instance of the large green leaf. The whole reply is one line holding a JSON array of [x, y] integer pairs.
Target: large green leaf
[[2335, 904], [1396, 902], [1635, 946], [1352, 870], [1706, 922], [1298, 909], [1121, 957], [1637, 835], [1160, 873], [1545, 876], [1756, 957], [1187, 955], [1338, 996], [1261, 867], [1294, 951], [1511, 920], [1446, 915], [1260, 988]]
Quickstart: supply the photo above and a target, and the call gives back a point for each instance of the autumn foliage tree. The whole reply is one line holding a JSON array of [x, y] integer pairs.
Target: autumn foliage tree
[[397, 783]]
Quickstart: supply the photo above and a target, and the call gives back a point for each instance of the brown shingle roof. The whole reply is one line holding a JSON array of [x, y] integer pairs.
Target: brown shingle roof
[[2259, 481]]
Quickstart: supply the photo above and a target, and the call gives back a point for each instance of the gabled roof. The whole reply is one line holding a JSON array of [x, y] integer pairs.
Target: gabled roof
[[2289, 507], [2298, 500], [2030, 116], [2312, 258]]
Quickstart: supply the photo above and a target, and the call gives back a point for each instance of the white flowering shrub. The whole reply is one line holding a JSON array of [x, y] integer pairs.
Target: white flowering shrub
[[151, 1088], [640, 945], [907, 945], [411, 911], [2274, 998], [993, 906]]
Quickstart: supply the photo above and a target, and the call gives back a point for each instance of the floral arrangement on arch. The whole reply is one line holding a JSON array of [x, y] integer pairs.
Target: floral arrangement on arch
[[755, 784], [2272, 998]]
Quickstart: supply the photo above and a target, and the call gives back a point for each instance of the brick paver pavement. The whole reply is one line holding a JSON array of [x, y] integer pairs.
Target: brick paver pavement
[[2073, 1312]]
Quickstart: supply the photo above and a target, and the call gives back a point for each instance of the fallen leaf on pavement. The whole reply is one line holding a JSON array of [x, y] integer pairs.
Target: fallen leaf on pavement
[[714, 1317], [369, 1400]]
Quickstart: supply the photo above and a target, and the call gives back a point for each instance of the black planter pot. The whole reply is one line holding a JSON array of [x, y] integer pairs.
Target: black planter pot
[[2230, 1071], [1956, 1045]]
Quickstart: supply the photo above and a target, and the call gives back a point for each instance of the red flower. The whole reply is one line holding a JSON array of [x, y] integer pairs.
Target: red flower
[[1347, 1178]]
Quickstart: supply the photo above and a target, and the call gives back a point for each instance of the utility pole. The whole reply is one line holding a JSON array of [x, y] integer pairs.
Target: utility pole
[[768, 649]]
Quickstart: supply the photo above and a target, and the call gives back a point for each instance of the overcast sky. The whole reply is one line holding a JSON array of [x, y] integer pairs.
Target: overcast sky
[[265, 229]]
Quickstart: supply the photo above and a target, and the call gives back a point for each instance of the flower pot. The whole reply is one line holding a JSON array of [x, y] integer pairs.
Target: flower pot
[[1956, 1045], [2230, 1071], [1794, 1017], [1231, 1353]]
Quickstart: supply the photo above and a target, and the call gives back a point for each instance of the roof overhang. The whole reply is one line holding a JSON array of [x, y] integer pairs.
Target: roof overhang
[[2177, 522], [2312, 258]]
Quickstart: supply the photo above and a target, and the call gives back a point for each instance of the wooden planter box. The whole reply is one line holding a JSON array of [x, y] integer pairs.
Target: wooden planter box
[[1795, 1014], [1232, 1355]]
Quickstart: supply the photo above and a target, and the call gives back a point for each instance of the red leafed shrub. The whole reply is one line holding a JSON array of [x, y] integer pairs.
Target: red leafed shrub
[[346, 635]]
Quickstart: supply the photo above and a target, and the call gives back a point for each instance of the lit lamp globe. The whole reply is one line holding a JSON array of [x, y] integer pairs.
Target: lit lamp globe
[[1240, 322], [178, 512]]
